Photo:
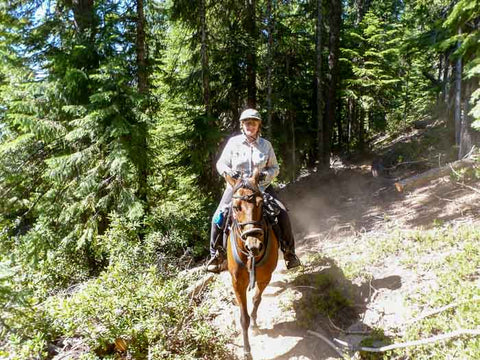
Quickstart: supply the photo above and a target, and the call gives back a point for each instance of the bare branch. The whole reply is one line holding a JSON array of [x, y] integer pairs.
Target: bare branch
[[439, 310], [331, 344], [442, 337]]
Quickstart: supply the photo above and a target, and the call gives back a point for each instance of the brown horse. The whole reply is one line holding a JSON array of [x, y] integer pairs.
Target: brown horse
[[252, 249]]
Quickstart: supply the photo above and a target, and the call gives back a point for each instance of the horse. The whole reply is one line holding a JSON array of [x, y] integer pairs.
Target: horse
[[252, 249]]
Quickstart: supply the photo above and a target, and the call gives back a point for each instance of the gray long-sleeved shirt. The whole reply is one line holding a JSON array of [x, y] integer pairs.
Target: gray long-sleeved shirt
[[243, 156]]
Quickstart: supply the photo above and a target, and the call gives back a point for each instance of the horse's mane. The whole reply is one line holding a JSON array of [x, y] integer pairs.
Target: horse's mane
[[246, 184]]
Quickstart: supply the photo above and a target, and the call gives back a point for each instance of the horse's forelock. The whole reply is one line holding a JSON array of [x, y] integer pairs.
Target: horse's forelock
[[246, 184]]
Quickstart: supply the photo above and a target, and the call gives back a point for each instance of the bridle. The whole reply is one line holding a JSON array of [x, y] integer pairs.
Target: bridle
[[243, 235], [237, 226]]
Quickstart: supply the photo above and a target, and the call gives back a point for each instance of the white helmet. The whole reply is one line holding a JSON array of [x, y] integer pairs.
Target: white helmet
[[250, 114]]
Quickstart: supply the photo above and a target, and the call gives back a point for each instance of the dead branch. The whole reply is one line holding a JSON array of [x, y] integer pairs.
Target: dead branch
[[304, 287], [346, 331], [469, 187], [443, 199], [450, 335], [195, 289], [327, 341], [406, 163], [425, 177], [439, 310]]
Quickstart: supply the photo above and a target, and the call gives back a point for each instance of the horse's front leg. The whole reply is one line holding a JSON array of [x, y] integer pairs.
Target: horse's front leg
[[240, 288], [257, 298]]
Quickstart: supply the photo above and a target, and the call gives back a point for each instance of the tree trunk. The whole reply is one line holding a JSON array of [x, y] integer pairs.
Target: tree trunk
[[406, 105], [362, 8], [291, 122], [142, 78], [141, 52], [270, 28], [294, 145], [206, 87], [83, 17], [361, 126], [318, 83], [440, 66], [349, 122], [458, 94], [251, 55], [425, 177], [333, 68], [204, 55], [85, 21], [339, 124], [469, 137], [446, 65]]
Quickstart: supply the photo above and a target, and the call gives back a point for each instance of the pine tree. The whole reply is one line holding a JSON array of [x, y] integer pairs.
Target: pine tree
[[76, 126], [463, 24]]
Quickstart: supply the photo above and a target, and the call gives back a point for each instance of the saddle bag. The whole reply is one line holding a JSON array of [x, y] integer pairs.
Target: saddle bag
[[271, 208]]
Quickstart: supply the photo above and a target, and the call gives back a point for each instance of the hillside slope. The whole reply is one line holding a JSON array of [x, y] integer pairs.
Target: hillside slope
[[374, 259]]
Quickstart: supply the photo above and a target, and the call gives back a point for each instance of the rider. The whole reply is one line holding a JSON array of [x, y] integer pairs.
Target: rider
[[241, 155]]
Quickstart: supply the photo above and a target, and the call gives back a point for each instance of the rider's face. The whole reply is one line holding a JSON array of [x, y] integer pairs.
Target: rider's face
[[250, 127]]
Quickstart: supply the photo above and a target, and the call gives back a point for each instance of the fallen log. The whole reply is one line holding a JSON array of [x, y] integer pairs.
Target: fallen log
[[427, 176]]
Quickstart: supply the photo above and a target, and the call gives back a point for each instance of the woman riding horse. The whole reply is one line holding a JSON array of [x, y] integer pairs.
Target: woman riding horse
[[242, 154]]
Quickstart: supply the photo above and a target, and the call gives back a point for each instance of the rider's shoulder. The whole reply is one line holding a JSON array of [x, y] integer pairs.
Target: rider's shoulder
[[236, 139], [264, 142]]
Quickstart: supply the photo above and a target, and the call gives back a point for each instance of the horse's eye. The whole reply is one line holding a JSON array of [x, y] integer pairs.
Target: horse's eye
[[237, 207]]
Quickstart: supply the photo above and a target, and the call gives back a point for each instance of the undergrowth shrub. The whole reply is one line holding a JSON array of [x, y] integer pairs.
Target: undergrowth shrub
[[128, 311], [148, 312], [133, 308], [458, 283], [325, 294], [448, 255], [181, 222]]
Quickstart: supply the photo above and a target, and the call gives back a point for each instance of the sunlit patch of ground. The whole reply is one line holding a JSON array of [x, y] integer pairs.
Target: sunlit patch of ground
[[334, 212]]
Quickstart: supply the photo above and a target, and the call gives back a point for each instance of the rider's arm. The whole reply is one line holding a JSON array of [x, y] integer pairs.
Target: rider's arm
[[271, 168], [224, 164]]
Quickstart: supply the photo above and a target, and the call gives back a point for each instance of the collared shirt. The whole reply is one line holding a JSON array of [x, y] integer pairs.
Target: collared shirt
[[244, 157]]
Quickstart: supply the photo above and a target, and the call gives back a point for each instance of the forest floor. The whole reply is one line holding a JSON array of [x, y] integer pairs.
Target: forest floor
[[332, 213]]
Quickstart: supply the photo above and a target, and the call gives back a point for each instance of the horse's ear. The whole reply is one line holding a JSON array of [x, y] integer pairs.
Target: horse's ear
[[230, 180], [256, 175]]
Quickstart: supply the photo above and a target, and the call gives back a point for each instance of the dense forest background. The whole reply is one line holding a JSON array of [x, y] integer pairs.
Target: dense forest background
[[113, 113]]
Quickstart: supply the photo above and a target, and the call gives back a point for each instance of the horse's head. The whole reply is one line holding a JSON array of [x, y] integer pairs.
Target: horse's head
[[247, 212]]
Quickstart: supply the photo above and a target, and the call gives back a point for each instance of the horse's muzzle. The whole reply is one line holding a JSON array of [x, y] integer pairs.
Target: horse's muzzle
[[253, 245]]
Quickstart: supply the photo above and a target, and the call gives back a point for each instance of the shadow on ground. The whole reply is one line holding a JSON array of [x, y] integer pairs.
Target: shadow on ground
[[327, 303]]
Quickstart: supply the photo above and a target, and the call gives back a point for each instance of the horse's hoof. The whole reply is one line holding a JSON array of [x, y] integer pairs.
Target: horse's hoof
[[247, 356]]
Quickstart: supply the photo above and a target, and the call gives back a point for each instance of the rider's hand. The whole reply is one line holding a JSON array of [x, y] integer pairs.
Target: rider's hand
[[263, 175], [234, 174]]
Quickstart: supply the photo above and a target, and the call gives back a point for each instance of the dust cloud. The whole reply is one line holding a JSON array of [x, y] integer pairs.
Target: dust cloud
[[344, 199]]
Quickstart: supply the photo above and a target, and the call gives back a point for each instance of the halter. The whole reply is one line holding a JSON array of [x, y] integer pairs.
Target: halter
[[250, 199], [243, 235]]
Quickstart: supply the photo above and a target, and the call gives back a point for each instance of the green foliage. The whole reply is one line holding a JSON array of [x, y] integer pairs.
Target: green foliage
[[464, 17], [148, 312], [326, 296], [130, 300], [98, 178], [474, 72], [456, 276], [449, 256]]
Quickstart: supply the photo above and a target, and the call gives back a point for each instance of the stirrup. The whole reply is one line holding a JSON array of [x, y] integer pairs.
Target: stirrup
[[216, 263]]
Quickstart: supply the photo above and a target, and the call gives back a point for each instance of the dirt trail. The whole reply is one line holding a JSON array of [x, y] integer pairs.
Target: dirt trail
[[326, 211]]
